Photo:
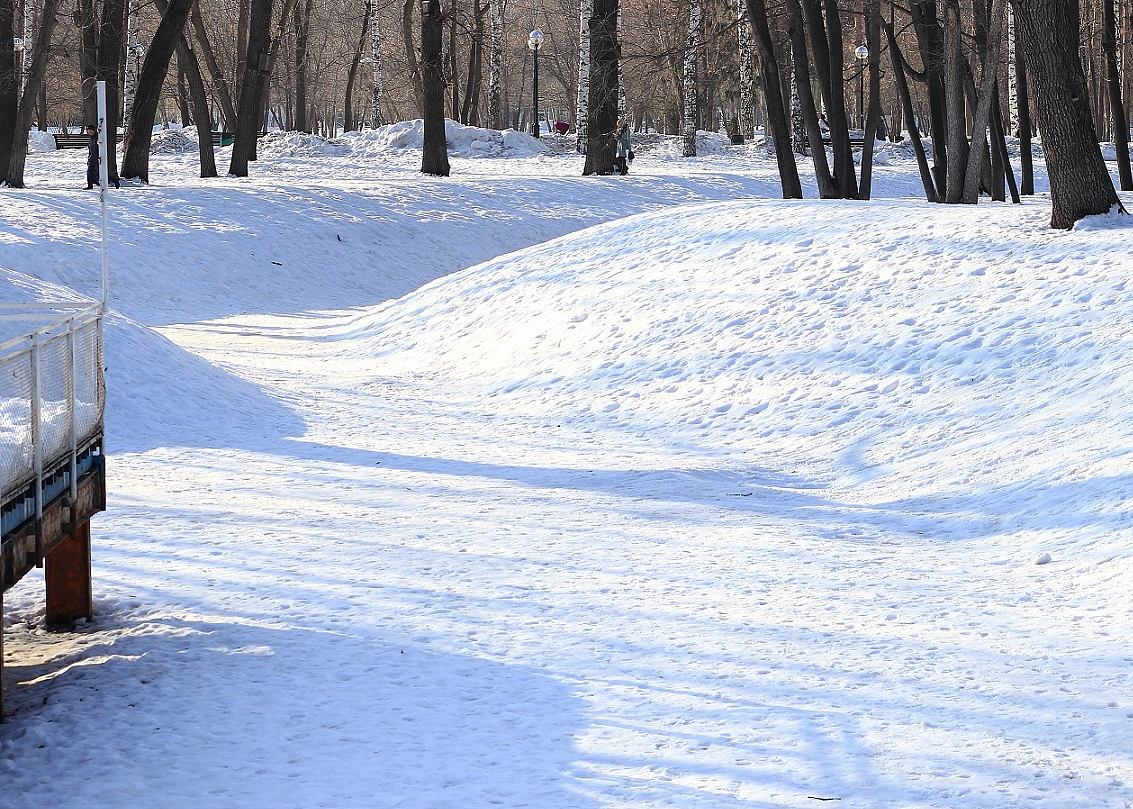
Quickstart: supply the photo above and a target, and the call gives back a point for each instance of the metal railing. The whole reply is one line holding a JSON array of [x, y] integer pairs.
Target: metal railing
[[52, 400]]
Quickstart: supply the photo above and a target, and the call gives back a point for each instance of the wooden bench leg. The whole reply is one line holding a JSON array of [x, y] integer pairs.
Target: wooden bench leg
[[68, 578]]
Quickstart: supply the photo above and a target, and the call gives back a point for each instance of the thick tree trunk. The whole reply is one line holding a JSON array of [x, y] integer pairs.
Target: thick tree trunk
[[135, 162], [747, 76], [954, 68], [111, 49], [602, 99], [1080, 184], [35, 69], [1023, 105], [257, 66], [778, 125], [9, 79], [434, 151], [930, 42]]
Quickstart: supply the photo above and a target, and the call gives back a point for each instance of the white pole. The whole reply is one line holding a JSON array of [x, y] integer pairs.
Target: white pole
[[103, 181]]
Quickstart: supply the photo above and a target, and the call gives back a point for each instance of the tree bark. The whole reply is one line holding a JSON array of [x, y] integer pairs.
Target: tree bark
[[1116, 105], [303, 13], [35, 70], [1023, 104], [773, 94], [902, 82], [984, 98], [111, 50], [582, 113], [434, 150], [257, 66], [135, 162], [690, 85], [219, 82], [796, 28], [1080, 184], [9, 79], [602, 99]]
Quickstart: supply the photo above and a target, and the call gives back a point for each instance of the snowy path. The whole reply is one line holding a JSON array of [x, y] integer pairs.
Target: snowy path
[[352, 586], [456, 633]]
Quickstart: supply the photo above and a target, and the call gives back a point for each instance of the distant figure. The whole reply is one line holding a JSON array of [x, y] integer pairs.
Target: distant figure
[[822, 125], [93, 159], [621, 162]]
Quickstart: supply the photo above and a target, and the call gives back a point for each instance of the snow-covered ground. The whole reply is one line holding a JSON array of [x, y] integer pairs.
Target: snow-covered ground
[[523, 489]]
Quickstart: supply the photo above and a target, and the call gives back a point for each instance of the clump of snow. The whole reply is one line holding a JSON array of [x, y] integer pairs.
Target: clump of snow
[[463, 141], [278, 143], [172, 142], [39, 141]]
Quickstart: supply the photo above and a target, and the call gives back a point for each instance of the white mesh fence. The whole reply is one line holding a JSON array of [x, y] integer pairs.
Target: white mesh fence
[[52, 392]]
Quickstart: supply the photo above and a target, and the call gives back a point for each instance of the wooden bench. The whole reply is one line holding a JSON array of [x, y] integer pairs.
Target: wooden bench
[[74, 140], [79, 140], [855, 143]]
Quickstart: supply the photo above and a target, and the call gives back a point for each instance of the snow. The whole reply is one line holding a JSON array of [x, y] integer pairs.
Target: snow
[[519, 488]]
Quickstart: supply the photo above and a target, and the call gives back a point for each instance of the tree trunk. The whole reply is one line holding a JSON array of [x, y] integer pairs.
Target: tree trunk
[[954, 67], [111, 49], [1023, 102], [690, 84], [470, 111], [778, 124], [249, 117], [219, 81], [303, 13], [348, 122], [1116, 105], [872, 10], [747, 77], [1080, 184], [602, 98], [135, 162], [930, 42], [582, 115], [434, 151], [984, 99], [9, 79], [408, 40], [495, 64], [35, 68], [796, 28], [202, 114], [376, 87], [902, 82]]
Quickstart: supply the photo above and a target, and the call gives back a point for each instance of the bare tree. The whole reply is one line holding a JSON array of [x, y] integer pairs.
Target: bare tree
[[434, 150], [1080, 184], [602, 100]]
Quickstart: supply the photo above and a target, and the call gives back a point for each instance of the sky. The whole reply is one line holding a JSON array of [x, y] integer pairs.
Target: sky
[[519, 488]]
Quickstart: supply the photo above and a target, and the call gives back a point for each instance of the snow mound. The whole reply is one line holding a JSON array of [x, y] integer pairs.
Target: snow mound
[[893, 352], [299, 144], [173, 141], [463, 141], [40, 141]]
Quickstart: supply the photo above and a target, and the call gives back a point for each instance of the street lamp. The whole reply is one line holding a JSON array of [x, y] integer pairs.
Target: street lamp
[[861, 54], [534, 40]]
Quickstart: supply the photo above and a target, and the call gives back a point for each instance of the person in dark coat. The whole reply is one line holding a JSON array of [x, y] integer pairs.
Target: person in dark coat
[[93, 159], [621, 136]]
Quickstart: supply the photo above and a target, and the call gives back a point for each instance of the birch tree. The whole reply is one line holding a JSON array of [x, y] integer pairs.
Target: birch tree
[[496, 64], [586, 9], [691, 85]]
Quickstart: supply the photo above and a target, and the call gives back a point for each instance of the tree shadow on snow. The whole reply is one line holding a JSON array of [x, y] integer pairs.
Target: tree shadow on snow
[[193, 713]]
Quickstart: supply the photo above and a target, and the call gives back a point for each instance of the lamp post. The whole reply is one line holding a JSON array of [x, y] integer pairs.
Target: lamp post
[[534, 40], [861, 54]]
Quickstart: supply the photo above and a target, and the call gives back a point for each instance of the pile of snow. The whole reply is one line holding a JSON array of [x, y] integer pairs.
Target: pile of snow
[[299, 144], [463, 141], [39, 141], [173, 142]]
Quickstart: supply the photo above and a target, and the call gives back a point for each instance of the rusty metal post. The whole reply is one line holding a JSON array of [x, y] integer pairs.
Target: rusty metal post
[[67, 574]]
